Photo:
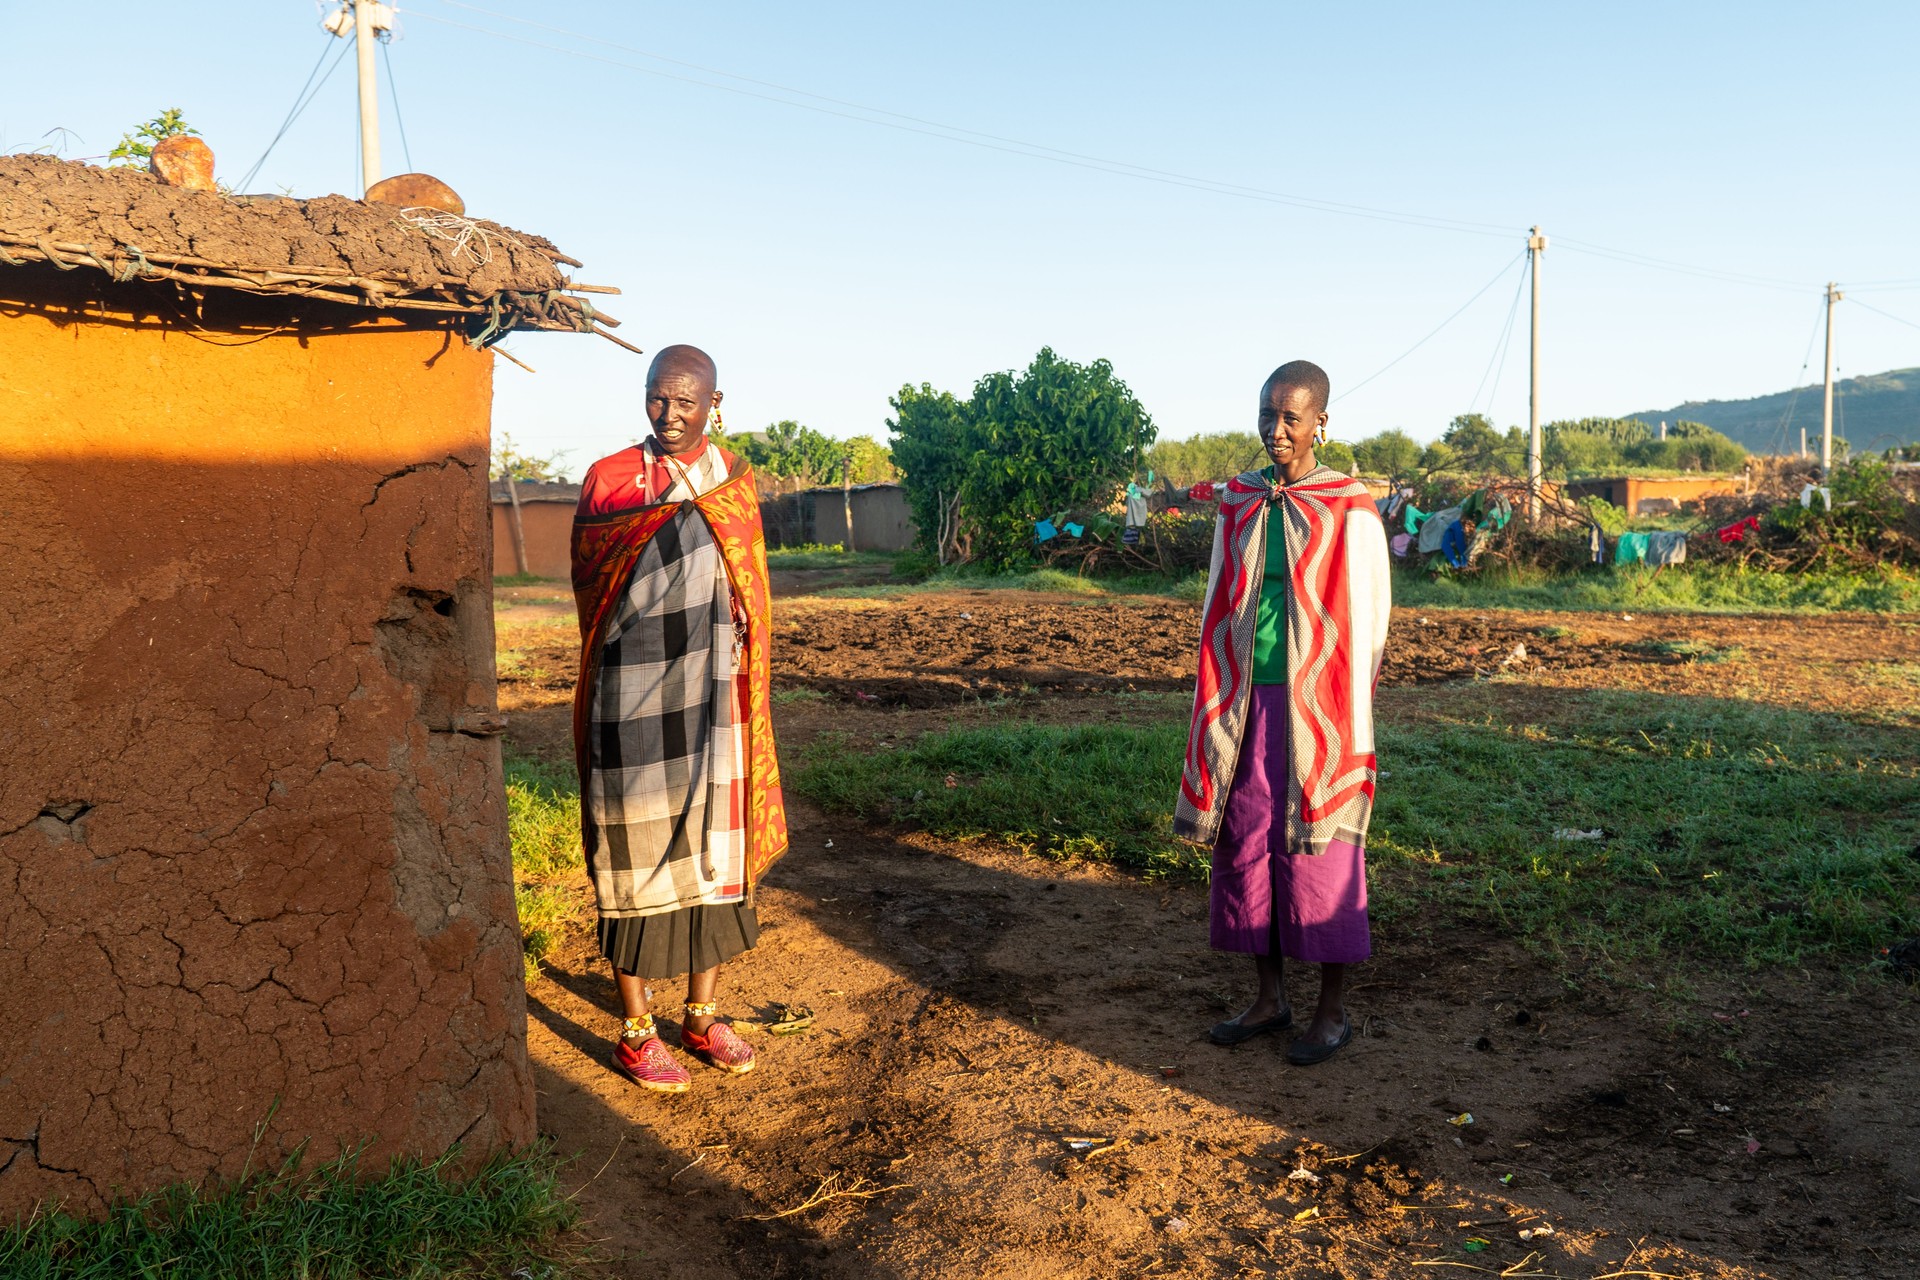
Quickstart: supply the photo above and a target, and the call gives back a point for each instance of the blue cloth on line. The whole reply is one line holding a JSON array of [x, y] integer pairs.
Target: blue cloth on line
[[1076, 530], [1043, 530], [1453, 545]]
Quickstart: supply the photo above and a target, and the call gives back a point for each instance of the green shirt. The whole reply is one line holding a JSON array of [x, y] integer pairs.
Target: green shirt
[[1270, 617]]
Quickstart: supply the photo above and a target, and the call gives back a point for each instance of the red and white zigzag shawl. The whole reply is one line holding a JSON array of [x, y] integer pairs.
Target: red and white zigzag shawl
[[1338, 601]]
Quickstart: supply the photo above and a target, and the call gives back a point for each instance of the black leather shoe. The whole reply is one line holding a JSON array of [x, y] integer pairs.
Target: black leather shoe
[[1303, 1053], [1237, 1032]]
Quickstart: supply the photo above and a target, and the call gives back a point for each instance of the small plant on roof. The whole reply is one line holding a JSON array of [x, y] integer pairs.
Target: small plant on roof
[[136, 148]]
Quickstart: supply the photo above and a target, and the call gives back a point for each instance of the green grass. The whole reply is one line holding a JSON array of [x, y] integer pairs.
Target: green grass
[[1733, 830], [1102, 793], [525, 580], [414, 1222], [1050, 581], [1691, 589], [1689, 650], [543, 825], [814, 555]]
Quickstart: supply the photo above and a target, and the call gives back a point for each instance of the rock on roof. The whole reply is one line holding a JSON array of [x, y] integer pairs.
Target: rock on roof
[[128, 224]]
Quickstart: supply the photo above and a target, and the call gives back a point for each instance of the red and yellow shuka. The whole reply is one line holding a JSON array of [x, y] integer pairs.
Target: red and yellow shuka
[[643, 557], [1337, 609]]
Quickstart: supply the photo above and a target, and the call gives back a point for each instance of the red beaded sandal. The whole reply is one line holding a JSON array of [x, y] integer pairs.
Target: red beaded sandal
[[719, 1045], [648, 1064]]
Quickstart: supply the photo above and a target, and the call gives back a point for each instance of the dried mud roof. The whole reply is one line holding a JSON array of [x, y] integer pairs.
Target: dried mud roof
[[126, 223]]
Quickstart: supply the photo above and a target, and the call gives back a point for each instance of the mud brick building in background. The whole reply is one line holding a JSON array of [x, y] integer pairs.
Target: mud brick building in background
[[252, 831]]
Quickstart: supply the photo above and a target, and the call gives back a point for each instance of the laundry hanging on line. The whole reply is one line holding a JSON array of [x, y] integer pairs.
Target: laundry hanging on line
[[1666, 547], [1631, 549]]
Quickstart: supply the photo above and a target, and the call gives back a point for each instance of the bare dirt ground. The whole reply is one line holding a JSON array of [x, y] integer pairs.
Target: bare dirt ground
[[1008, 1075]]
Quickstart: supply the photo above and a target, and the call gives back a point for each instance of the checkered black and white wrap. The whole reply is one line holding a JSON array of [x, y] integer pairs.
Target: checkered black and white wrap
[[667, 794]]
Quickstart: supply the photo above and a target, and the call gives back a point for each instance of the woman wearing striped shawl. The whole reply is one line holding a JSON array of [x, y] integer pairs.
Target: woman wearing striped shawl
[[680, 800], [1280, 767]]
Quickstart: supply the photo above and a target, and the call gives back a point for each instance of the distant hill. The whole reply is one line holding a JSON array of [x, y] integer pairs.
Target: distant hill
[[1872, 413]]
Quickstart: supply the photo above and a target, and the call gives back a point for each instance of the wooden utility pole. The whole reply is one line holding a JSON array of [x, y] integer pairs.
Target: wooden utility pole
[[514, 528], [1536, 246], [363, 37], [1826, 409], [846, 496]]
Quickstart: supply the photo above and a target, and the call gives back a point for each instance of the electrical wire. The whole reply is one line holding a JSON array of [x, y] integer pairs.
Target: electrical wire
[[393, 89], [1786, 419], [300, 102], [1682, 268], [1877, 311], [1436, 329], [970, 137], [1500, 348]]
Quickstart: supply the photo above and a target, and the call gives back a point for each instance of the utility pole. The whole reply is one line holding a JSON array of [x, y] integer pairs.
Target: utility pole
[[1536, 246], [367, 19], [1826, 408], [363, 20]]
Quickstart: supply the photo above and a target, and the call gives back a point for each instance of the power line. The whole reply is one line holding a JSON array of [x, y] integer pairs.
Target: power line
[[393, 89], [300, 101], [1682, 268], [1436, 329], [990, 142], [1877, 311], [1501, 346], [1786, 419]]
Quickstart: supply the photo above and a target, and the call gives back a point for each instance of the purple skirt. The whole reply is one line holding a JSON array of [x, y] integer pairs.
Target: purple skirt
[[1312, 907]]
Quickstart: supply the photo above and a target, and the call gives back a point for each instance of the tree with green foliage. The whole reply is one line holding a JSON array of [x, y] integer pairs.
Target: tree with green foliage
[[1475, 444], [1058, 436], [1211, 455], [524, 467], [871, 462], [1388, 453], [1337, 454], [136, 148], [792, 451]]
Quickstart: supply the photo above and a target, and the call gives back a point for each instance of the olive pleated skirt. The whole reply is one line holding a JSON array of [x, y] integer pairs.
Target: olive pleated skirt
[[675, 942]]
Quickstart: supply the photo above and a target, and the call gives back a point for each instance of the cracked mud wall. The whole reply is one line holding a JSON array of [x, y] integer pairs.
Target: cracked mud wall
[[252, 833]]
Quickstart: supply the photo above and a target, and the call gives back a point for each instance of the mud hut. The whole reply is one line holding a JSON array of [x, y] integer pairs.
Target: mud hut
[[253, 856]]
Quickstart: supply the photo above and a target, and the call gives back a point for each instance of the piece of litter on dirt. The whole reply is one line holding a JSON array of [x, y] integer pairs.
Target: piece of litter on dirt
[[1168, 1073], [1518, 654], [828, 845], [1462, 1120], [1575, 833], [1722, 1108], [952, 781], [1474, 1244], [789, 1019], [1304, 1214], [1683, 1133], [1540, 1232], [1626, 617], [1753, 1146], [1305, 1175], [1176, 1225], [1506, 1179], [967, 616], [864, 696]]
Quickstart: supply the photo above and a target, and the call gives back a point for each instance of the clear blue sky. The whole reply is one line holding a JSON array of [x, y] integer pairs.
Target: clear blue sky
[[824, 261]]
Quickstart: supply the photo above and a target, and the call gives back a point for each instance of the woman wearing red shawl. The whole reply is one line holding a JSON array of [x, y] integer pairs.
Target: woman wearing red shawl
[[1280, 766], [680, 801]]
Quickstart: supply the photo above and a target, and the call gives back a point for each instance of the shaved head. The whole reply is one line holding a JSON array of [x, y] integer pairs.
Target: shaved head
[[1304, 374], [683, 359]]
